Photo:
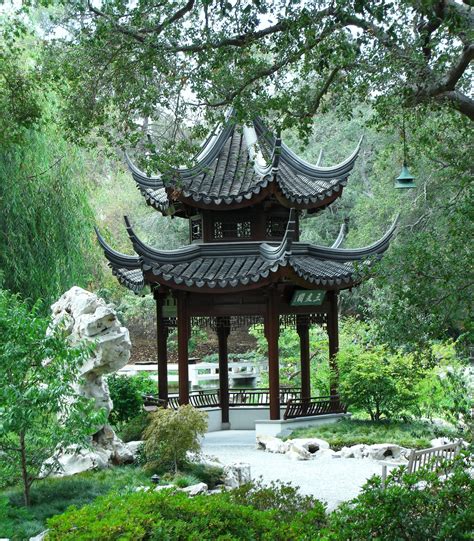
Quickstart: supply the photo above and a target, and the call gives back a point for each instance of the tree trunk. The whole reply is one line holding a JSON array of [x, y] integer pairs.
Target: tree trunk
[[24, 471]]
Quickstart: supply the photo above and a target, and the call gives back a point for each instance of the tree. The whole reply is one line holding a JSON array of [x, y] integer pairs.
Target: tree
[[377, 381], [171, 434], [128, 62], [38, 416]]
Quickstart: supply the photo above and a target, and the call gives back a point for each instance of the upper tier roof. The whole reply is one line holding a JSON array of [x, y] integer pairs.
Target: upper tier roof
[[230, 265], [241, 165]]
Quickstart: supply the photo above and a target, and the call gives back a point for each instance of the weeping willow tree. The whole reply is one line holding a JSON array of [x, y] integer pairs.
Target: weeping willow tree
[[46, 235]]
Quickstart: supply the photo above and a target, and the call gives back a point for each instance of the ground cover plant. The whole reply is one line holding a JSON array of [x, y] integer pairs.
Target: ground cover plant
[[413, 434], [53, 496]]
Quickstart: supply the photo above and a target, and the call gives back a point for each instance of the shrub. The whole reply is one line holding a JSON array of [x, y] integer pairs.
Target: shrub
[[211, 475], [167, 516], [171, 434], [133, 429], [413, 506], [127, 393], [283, 498], [182, 480], [376, 381]]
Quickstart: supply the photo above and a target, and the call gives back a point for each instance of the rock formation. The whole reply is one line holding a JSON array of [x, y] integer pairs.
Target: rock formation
[[88, 318]]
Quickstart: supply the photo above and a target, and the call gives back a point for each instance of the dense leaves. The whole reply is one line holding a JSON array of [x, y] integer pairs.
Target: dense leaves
[[171, 434], [38, 417]]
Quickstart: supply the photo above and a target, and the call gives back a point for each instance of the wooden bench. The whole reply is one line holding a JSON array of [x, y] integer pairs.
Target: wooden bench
[[430, 458]]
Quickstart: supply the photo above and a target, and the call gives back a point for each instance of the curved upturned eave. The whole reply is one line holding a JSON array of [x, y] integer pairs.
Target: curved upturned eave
[[341, 236], [355, 254], [304, 167], [117, 259]]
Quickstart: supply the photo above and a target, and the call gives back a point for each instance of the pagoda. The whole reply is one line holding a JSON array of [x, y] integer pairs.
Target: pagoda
[[245, 264]]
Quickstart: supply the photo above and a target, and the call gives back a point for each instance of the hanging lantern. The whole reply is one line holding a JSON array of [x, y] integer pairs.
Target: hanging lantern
[[405, 179]]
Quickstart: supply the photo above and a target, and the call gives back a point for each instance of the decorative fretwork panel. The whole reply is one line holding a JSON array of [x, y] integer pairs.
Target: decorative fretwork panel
[[232, 229], [276, 226], [196, 229]]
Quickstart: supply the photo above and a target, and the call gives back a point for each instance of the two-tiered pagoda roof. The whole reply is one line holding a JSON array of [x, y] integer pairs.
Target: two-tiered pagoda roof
[[241, 167]]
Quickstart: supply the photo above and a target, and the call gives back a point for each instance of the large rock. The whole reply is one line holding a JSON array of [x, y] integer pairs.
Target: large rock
[[271, 444], [75, 460], [384, 451], [312, 445], [297, 452], [88, 318], [237, 474], [356, 451], [194, 490]]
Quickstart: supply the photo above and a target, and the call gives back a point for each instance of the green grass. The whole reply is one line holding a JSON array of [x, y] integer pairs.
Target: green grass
[[351, 432], [53, 496]]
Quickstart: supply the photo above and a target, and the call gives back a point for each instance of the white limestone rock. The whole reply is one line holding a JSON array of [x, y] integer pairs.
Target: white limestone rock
[[312, 445], [75, 460], [88, 318], [134, 448], [194, 490], [387, 451], [237, 474], [327, 453], [356, 451], [163, 487], [271, 444], [297, 452]]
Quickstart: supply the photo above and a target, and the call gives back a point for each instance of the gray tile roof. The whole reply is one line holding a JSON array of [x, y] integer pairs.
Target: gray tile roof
[[237, 164], [226, 265]]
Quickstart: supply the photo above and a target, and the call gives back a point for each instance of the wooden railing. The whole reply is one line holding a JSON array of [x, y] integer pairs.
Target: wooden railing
[[260, 396], [289, 396], [319, 405]]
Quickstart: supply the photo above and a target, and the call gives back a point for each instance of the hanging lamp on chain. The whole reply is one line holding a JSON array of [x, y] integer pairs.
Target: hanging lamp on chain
[[405, 179]]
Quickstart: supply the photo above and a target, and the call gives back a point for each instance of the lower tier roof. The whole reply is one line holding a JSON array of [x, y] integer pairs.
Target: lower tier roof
[[220, 266]]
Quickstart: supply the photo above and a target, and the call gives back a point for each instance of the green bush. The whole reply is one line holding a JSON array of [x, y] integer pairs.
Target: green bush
[[211, 475], [127, 393], [167, 516], [133, 429], [171, 434], [424, 506], [374, 380]]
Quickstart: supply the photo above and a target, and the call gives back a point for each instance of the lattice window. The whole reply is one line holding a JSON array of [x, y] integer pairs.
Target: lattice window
[[196, 229], [232, 229], [276, 226]]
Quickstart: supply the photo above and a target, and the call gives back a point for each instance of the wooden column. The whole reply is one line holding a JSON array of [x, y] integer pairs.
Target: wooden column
[[333, 335], [302, 327], [183, 338], [162, 348], [272, 331], [223, 332]]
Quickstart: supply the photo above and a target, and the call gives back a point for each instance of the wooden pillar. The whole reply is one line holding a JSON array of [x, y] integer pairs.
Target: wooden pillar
[[223, 331], [183, 338], [333, 335], [302, 327], [162, 348], [272, 331]]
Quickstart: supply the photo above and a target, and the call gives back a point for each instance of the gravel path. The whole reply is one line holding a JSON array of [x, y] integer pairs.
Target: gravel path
[[332, 480]]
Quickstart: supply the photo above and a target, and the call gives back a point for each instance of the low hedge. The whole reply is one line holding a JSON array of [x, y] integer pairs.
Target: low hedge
[[168, 516], [423, 506]]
